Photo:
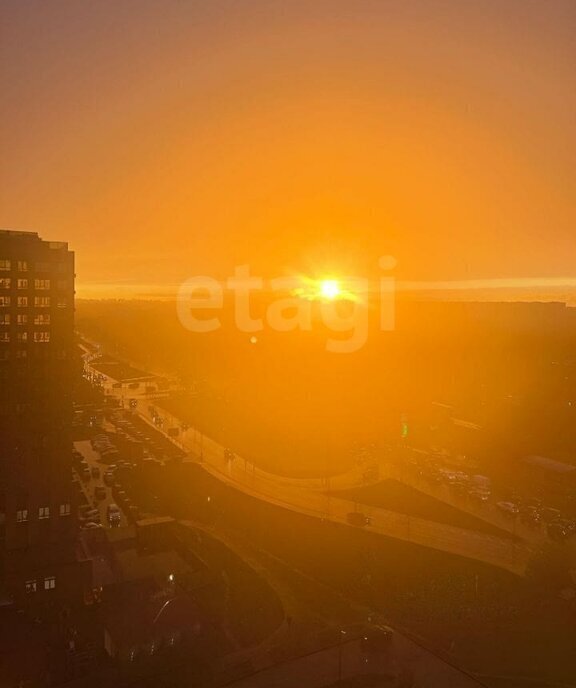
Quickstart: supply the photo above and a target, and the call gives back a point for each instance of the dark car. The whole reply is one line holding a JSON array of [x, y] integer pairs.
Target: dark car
[[549, 514], [99, 492], [356, 518], [530, 515], [560, 529]]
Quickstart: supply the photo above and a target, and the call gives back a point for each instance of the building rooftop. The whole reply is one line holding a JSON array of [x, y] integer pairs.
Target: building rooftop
[[21, 235], [116, 370]]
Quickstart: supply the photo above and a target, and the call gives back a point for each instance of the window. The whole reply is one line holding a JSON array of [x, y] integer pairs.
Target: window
[[21, 515], [22, 336], [22, 408], [42, 301], [61, 267], [64, 509], [21, 353], [4, 301], [62, 285], [5, 265], [44, 512], [42, 284], [5, 283], [43, 267], [22, 266], [41, 336], [4, 355], [42, 319], [4, 336], [22, 319], [30, 586], [49, 582], [4, 318], [22, 284], [62, 303], [22, 301]]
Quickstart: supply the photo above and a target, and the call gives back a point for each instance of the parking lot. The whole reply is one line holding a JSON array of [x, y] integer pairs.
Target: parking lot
[[89, 484]]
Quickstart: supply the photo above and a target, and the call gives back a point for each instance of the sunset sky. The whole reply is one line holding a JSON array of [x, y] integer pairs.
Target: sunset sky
[[167, 138]]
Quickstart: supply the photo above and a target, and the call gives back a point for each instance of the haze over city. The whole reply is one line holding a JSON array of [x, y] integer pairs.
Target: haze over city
[[287, 344]]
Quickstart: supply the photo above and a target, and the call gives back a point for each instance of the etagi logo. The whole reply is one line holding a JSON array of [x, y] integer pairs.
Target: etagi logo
[[343, 305]]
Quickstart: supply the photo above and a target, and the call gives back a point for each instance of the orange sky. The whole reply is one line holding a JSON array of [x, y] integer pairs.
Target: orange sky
[[168, 138]]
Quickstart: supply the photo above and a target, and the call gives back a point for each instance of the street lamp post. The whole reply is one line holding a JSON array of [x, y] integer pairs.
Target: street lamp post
[[342, 634]]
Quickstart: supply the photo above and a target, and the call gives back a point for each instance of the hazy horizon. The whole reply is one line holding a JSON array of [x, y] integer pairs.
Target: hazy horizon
[[164, 140]]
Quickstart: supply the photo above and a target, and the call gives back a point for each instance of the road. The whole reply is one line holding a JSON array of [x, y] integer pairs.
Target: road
[[314, 609], [303, 496], [310, 496], [323, 668]]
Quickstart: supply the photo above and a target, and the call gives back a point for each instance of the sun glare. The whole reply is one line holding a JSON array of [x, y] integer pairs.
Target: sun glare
[[329, 289]]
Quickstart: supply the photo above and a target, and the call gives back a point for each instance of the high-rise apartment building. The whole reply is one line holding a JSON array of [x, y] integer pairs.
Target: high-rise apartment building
[[38, 561]]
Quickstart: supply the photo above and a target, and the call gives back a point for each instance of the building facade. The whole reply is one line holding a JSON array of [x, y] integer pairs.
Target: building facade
[[38, 523]]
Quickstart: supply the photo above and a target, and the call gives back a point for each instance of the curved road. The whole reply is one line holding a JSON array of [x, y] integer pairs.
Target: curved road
[[303, 496]]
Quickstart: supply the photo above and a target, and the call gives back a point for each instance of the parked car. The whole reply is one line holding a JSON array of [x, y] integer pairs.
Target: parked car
[[549, 514], [108, 478], [459, 487], [561, 528], [95, 471], [99, 492], [481, 482], [90, 525], [92, 515], [533, 502], [113, 514], [356, 518], [530, 516], [508, 508], [110, 454], [478, 494]]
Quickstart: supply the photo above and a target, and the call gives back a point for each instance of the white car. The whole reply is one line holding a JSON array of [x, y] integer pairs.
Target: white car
[[479, 494], [114, 514], [508, 508], [91, 525]]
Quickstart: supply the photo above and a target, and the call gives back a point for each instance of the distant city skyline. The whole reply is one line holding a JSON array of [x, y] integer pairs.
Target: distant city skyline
[[532, 289]]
